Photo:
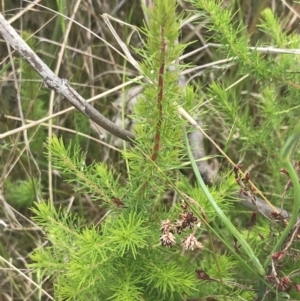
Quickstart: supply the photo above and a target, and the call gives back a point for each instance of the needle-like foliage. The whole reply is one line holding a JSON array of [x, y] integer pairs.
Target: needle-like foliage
[[161, 236]]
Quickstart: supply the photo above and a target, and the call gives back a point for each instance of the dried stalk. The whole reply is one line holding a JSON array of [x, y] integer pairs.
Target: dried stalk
[[60, 86]]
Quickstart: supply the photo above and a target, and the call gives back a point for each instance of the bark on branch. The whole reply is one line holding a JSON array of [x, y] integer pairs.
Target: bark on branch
[[60, 86]]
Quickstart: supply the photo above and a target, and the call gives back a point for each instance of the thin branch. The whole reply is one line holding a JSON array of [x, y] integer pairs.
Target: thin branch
[[59, 113], [160, 96], [60, 86]]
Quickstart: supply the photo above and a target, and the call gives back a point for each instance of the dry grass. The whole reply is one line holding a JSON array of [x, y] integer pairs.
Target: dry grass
[[88, 54]]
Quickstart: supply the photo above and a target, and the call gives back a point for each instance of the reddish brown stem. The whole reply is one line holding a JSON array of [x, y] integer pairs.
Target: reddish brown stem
[[159, 97]]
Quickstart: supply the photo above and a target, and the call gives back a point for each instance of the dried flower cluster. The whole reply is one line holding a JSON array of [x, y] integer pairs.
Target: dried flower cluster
[[202, 275], [246, 188], [191, 243], [284, 283], [186, 220], [167, 238]]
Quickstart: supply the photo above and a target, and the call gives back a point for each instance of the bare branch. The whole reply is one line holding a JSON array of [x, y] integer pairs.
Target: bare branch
[[60, 86]]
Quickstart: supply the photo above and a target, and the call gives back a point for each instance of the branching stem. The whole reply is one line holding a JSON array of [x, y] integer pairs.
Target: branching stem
[[160, 96]]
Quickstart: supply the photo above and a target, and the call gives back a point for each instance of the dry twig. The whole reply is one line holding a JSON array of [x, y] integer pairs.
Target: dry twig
[[61, 86]]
